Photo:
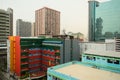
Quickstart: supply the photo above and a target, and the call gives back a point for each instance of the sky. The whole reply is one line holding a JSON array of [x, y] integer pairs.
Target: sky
[[74, 13]]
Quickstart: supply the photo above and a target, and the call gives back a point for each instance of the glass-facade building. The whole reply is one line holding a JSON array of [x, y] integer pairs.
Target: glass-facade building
[[107, 20]]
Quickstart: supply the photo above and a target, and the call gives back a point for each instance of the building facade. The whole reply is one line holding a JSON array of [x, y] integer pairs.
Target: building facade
[[117, 44], [6, 29], [11, 20], [106, 24], [33, 29], [92, 11], [23, 28], [47, 21], [6, 21]]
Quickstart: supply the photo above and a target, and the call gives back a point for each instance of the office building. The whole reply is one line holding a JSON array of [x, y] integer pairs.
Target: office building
[[23, 28], [47, 21], [106, 24], [6, 26], [11, 20], [6, 21], [91, 26]]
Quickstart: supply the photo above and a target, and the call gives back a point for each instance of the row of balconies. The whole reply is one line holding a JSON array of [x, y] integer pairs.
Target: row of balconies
[[4, 15], [4, 31], [3, 40], [3, 37], [4, 18], [117, 38], [4, 34], [4, 24]]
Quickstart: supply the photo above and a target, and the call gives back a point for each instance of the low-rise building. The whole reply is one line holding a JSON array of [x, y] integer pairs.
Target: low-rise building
[[95, 65]]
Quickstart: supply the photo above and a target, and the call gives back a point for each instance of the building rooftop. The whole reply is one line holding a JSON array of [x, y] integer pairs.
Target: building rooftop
[[87, 73], [103, 53]]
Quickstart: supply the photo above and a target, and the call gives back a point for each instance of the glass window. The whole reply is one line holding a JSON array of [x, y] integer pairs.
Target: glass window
[[104, 20], [91, 58], [116, 62], [107, 24], [109, 60], [55, 78]]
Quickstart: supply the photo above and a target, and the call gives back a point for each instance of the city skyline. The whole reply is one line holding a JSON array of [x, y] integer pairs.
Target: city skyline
[[73, 13]]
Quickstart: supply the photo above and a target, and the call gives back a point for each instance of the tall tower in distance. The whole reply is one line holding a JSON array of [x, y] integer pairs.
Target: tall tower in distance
[[91, 23], [33, 29], [47, 22], [6, 25], [23, 28], [11, 20]]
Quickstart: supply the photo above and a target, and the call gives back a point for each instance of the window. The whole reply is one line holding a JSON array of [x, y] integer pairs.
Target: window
[[94, 58], [104, 23], [109, 60], [116, 62], [98, 58], [56, 78], [103, 59], [88, 57], [49, 75], [91, 58]]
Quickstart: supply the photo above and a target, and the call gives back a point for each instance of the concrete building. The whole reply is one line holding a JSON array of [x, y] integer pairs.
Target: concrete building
[[6, 29], [33, 30], [23, 28], [6, 21], [47, 21], [78, 35], [117, 42], [106, 46], [11, 20]]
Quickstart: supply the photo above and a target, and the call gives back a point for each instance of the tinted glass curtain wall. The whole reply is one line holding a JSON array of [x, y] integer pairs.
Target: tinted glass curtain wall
[[104, 20], [107, 20]]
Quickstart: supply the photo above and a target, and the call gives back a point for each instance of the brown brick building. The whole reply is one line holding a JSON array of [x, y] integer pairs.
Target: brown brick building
[[47, 21]]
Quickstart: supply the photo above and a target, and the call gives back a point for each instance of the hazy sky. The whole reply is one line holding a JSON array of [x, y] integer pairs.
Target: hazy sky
[[74, 13]]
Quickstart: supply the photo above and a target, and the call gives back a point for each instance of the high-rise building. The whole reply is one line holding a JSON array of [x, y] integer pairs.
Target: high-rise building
[[92, 10], [23, 28], [47, 21], [106, 20], [11, 20], [6, 21], [33, 29]]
